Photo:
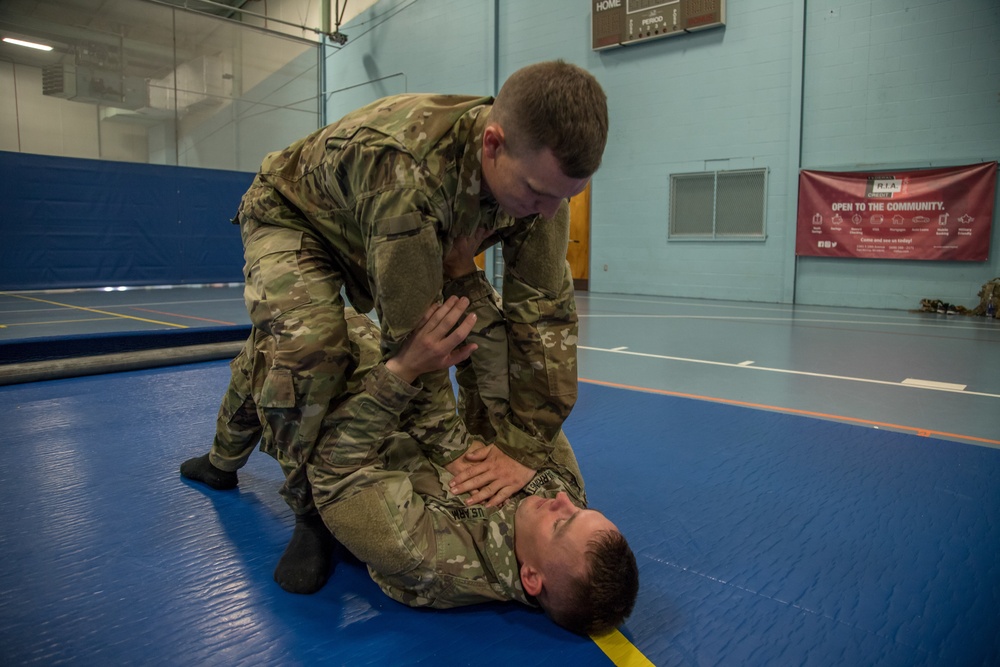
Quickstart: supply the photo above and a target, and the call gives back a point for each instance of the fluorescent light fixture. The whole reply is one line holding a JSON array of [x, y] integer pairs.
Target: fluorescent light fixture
[[30, 45]]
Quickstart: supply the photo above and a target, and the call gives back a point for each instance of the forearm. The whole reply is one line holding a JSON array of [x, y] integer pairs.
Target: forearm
[[432, 421], [438, 342], [354, 431], [403, 254], [483, 380], [542, 329], [542, 333]]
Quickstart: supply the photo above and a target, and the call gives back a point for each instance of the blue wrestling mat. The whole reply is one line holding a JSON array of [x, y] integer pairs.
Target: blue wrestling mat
[[762, 539]]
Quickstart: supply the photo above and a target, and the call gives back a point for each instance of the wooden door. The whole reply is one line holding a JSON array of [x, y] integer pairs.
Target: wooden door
[[578, 253]]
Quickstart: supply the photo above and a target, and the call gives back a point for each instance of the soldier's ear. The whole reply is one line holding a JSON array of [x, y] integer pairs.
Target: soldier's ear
[[493, 140], [531, 580]]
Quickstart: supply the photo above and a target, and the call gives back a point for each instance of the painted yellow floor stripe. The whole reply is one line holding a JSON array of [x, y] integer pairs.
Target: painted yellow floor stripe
[[94, 310], [38, 324], [621, 651]]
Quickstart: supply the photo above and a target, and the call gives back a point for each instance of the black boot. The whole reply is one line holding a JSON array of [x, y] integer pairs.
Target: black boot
[[200, 469], [308, 560]]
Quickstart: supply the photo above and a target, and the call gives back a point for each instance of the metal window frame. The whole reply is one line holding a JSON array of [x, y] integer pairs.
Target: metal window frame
[[714, 235]]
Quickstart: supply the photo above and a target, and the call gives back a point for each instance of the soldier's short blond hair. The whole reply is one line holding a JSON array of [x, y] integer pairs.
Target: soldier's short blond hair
[[558, 106]]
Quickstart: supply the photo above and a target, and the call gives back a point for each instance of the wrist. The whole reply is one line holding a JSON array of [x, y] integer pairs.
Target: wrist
[[473, 286], [401, 370], [456, 272]]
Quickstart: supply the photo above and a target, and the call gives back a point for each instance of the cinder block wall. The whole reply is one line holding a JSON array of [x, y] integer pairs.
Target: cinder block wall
[[894, 84], [828, 84]]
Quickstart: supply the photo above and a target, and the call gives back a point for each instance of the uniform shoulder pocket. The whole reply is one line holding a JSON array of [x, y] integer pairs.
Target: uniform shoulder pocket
[[405, 264], [400, 225]]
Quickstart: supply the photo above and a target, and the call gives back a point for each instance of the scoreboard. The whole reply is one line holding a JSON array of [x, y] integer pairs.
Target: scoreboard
[[623, 22]]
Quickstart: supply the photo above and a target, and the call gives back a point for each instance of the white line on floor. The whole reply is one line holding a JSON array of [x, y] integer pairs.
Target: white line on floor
[[939, 386], [956, 326], [931, 384]]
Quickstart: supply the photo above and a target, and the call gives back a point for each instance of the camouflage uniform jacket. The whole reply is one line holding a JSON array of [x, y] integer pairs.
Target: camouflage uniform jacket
[[390, 506], [386, 190]]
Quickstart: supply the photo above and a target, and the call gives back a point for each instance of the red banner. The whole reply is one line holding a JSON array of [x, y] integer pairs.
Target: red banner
[[924, 214]]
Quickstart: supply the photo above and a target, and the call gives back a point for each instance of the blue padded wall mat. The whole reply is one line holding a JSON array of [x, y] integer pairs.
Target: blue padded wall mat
[[72, 222], [762, 539]]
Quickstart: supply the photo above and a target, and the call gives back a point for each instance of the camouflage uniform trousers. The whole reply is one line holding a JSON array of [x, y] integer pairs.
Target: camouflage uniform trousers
[[296, 362]]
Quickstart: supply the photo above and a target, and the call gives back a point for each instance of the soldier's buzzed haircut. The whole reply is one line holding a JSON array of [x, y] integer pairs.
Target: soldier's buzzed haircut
[[603, 599], [558, 106]]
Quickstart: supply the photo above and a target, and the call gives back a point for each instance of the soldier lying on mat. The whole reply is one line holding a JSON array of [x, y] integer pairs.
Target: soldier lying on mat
[[382, 487]]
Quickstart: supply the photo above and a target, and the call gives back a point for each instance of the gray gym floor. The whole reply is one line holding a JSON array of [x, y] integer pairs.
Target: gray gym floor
[[920, 373]]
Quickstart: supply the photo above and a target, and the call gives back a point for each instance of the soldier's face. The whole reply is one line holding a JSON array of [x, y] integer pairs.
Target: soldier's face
[[552, 535], [525, 185]]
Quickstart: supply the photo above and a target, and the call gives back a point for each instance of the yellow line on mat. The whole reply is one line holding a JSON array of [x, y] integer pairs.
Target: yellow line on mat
[[94, 310], [621, 651]]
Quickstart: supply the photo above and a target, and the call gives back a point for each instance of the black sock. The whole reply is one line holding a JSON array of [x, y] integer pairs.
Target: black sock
[[200, 469], [308, 560]]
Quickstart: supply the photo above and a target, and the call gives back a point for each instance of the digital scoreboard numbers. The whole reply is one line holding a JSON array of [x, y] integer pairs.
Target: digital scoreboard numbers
[[651, 19], [624, 22]]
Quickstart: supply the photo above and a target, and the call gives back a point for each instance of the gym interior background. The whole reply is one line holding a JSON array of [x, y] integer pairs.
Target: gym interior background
[[124, 152]]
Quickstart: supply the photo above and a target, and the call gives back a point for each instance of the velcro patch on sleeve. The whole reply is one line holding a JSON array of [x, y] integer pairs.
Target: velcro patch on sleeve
[[365, 525]]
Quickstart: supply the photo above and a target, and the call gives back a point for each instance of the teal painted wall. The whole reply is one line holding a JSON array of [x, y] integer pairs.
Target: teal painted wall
[[431, 46], [787, 84], [896, 84]]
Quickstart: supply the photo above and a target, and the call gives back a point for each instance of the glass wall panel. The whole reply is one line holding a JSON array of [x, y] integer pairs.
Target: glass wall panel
[[140, 81]]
